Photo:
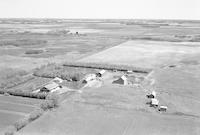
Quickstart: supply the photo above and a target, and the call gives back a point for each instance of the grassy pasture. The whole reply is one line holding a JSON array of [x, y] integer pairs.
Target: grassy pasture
[[53, 37], [8, 119], [145, 54], [16, 107]]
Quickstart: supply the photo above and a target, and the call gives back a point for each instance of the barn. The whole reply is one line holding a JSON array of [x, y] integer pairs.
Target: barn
[[122, 80], [50, 87]]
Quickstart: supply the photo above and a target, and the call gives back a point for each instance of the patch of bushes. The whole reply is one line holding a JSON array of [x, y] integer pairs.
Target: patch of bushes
[[28, 94], [50, 102], [12, 82], [10, 130], [23, 122], [34, 51], [58, 32], [25, 94], [66, 73], [35, 114], [13, 77], [22, 42]]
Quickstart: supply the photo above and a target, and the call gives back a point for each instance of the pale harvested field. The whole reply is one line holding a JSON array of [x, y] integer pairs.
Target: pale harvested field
[[111, 110], [146, 54], [179, 88]]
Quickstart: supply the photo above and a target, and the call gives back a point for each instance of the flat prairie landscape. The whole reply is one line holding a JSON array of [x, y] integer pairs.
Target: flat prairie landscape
[[146, 54], [34, 51]]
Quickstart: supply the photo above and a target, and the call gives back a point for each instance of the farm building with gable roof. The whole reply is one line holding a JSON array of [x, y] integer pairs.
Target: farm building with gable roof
[[122, 80], [50, 87]]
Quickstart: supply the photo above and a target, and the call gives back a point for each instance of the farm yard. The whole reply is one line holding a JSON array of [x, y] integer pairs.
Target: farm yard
[[106, 69]]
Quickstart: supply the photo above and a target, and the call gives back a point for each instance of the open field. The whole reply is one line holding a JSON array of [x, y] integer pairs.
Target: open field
[[31, 45], [111, 110], [14, 108], [179, 87], [145, 54]]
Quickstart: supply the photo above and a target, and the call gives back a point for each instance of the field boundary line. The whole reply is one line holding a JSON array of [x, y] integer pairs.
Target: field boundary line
[[13, 112], [17, 103]]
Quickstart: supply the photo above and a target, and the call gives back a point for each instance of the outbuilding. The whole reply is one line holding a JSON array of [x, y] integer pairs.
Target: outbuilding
[[50, 87], [100, 73], [122, 80], [162, 108], [154, 102], [152, 95], [129, 71]]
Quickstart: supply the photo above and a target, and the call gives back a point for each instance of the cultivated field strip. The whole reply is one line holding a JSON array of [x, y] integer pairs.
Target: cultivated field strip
[[14, 108]]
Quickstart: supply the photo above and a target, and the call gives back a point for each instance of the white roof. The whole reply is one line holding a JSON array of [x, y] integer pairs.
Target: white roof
[[154, 101], [58, 79], [124, 77], [102, 71], [164, 107], [153, 93]]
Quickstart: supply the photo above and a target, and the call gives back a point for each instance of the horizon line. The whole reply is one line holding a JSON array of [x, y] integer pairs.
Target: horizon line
[[100, 18]]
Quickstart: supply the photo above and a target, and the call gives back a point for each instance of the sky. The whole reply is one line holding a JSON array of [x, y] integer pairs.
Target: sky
[[101, 9]]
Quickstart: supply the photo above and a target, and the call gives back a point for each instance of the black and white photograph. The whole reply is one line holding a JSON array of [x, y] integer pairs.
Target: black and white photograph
[[99, 67]]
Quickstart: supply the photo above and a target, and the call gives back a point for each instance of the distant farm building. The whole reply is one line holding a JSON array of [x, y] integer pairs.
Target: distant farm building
[[162, 108], [51, 87], [122, 80], [100, 73], [152, 95], [154, 102], [129, 71], [89, 77]]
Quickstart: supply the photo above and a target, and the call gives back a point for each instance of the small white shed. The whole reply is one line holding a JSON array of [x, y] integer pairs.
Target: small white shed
[[154, 102]]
